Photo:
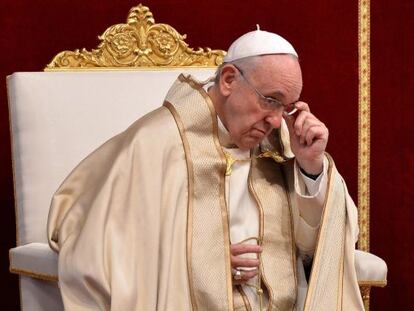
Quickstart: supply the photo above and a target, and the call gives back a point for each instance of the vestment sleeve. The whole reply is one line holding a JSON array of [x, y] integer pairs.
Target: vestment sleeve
[[309, 196]]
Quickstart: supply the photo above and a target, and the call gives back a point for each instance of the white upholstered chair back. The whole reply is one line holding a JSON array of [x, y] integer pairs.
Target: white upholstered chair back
[[57, 119]]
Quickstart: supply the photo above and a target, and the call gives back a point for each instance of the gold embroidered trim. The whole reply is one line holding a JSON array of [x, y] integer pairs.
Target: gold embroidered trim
[[255, 187], [258, 286], [276, 156], [230, 159], [226, 224], [364, 122], [244, 297], [261, 234], [220, 162], [224, 208]]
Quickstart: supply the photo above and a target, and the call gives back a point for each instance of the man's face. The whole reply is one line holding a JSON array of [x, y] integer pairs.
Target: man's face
[[244, 114]]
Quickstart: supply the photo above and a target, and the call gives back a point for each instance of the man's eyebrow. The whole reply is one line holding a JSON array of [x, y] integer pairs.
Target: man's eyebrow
[[276, 95]]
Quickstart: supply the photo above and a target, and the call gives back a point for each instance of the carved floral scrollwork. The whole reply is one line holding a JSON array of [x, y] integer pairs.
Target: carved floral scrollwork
[[138, 43]]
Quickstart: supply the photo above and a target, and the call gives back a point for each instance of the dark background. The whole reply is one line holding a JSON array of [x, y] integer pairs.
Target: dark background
[[325, 34]]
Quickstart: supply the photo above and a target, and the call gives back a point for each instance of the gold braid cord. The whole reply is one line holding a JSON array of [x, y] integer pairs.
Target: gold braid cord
[[138, 43], [364, 124]]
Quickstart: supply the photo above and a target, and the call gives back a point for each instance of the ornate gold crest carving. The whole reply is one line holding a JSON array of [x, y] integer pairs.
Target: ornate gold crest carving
[[138, 43]]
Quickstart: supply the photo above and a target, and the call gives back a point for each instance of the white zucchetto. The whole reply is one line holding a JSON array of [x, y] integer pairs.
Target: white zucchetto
[[257, 43]]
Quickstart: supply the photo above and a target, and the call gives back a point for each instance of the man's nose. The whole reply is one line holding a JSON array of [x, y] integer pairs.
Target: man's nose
[[274, 120]]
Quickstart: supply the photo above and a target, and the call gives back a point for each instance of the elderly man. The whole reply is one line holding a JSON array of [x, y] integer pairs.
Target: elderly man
[[215, 201]]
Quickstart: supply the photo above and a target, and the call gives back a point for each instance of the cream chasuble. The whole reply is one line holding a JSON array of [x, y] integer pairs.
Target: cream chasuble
[[143, 223], [244, 216]]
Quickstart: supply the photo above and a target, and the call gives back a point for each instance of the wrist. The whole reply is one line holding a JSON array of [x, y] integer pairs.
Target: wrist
[[311, 168]]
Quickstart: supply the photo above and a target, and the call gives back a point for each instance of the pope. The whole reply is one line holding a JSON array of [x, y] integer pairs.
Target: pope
[[218, 200]]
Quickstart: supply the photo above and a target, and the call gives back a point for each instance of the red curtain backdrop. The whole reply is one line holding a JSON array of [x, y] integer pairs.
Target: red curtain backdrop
[[325, 35], [392, 149]]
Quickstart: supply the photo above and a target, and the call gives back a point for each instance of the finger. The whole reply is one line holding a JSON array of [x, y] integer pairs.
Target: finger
[[291, 118], [302, 106], [237, 262], [300, 120], [238, 249], [314, 133], [310, 135], [307, 124], [246, 276]]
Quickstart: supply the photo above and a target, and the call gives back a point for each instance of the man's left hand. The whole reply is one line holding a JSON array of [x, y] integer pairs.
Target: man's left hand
[[308, 139]]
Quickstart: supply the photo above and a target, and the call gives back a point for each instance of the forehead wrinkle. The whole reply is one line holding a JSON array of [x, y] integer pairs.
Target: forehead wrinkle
[[288, 84], [277, 76]]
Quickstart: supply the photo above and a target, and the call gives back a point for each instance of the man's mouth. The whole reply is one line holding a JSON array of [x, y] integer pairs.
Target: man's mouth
[[257, 133]]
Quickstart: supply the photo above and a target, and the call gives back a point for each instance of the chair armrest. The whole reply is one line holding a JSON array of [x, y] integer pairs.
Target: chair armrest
[[371, 270], [36, 260]]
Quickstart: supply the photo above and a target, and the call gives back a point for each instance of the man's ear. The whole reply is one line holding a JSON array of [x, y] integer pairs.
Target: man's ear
[[227, 78]]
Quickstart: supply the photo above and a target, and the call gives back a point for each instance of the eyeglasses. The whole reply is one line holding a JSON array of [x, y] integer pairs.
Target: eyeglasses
[[270, 103]]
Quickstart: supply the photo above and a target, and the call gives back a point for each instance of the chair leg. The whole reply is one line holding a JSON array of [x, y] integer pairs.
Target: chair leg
[[365, 290]]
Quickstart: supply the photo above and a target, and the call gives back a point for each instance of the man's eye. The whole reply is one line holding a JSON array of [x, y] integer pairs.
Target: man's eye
[[272, 101]]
